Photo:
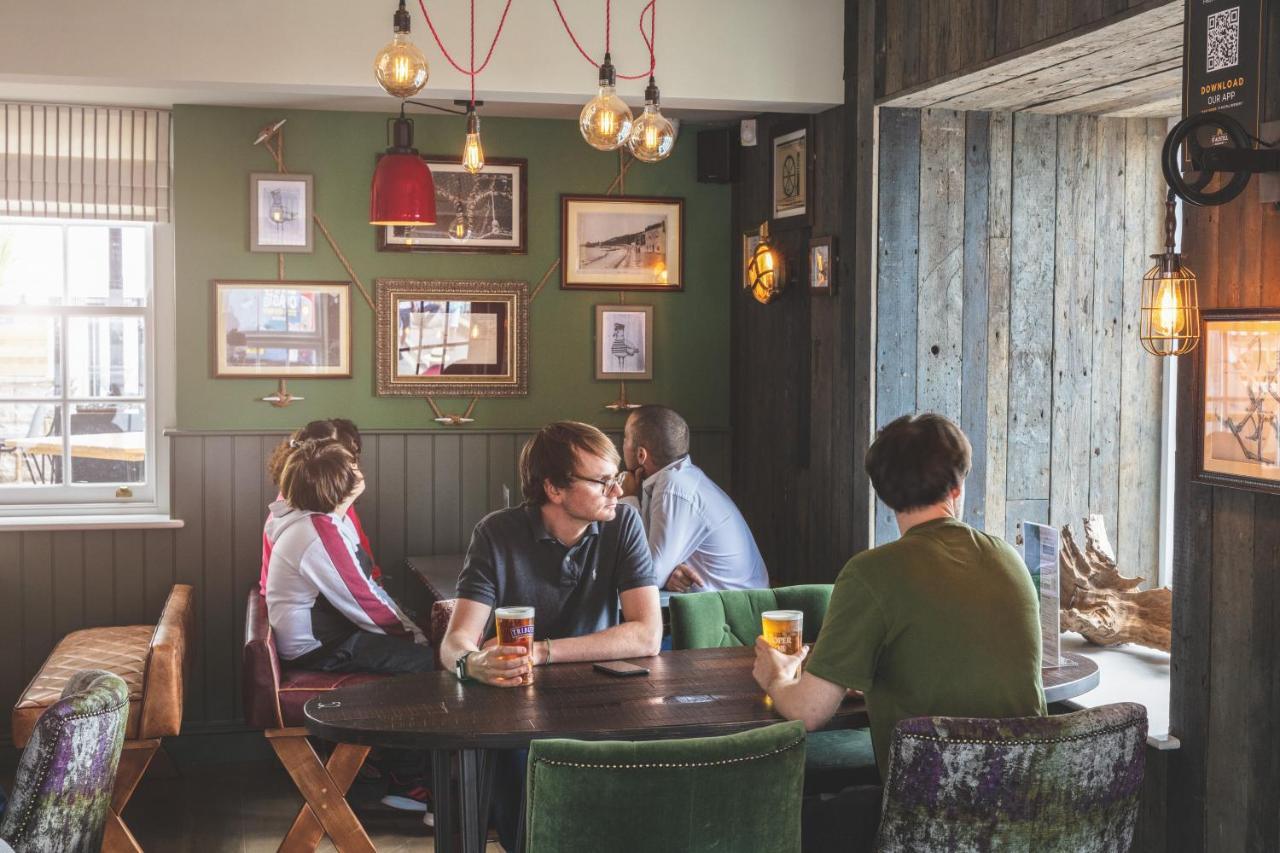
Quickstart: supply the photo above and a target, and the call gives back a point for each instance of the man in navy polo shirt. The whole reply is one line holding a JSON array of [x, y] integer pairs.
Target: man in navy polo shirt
[[572, 553]]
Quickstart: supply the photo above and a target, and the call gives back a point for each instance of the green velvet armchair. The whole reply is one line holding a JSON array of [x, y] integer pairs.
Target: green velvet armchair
[[736, 793], [701, 620]]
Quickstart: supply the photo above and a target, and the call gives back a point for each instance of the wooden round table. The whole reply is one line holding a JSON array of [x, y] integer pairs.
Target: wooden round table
[[691, 693]]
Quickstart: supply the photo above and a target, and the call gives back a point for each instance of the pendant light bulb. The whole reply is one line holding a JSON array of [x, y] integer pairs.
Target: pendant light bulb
[[1169, 324], [605, 121], [472, 150], [400, 67], [652, 136]]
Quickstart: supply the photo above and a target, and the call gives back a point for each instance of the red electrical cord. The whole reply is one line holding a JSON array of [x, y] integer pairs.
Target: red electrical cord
[[483, 65], [649, 40]]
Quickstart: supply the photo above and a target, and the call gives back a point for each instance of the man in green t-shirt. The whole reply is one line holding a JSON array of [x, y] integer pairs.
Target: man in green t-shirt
[[942, 622]]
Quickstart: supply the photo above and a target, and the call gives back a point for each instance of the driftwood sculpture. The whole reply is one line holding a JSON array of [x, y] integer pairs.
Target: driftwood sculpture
[[1104, 605]]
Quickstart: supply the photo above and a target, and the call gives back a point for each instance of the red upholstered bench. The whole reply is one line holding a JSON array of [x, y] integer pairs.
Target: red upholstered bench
[[273, 701]]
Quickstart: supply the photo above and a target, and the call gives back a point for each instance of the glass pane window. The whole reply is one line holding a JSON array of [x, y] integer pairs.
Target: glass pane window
[[30, 444], [106, 265], [31, 264], [29, 357], [106, 356], [107, 443]]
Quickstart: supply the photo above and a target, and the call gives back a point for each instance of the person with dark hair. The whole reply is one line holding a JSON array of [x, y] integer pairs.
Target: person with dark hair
[[943, 621], [572, 553], [333, 428], [697, 536], [325, 610]]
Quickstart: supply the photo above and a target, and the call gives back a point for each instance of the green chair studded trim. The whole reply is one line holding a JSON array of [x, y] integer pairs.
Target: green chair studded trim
[[707, 620], [736, 793]]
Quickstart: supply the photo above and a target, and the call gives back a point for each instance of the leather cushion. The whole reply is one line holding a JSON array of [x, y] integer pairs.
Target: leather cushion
[[120, 650], [299, 685]]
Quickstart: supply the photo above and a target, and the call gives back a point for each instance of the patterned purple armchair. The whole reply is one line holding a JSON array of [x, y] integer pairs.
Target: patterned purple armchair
[[1061, 783], [62, 792]]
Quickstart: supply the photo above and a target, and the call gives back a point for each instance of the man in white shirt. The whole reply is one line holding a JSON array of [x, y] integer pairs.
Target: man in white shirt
[[698, 539]]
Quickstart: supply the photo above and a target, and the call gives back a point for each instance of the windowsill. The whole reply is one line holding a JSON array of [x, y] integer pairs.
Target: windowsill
[[1130, 673], [31, 523]]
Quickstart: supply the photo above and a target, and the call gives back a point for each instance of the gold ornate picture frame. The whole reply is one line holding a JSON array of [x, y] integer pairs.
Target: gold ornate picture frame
[[451, 338]]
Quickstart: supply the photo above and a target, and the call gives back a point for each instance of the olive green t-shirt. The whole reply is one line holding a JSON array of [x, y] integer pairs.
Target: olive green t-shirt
[[942, 622]]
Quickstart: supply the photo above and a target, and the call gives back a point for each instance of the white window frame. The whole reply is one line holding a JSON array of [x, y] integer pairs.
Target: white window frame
[[69, 502]]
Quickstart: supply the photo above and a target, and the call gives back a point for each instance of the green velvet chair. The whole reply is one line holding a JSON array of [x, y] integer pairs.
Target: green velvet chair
[[834, 760], [737, 793]]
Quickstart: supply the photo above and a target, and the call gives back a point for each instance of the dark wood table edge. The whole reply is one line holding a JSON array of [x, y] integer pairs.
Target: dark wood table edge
[[1088, 678]]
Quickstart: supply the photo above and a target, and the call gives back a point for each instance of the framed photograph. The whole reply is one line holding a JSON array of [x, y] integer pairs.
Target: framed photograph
[[750, 239], [453, 338], [280, 211], [624, 342], [281, 329], [1240, 399], [792, 176], [621, 243], [474, 213], [822, 265]]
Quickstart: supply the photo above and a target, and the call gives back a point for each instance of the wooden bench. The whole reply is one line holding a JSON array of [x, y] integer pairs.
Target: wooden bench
[[273, 702], [153, 661]]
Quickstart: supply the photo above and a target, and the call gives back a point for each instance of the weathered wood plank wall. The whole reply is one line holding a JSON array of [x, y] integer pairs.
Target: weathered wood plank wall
[[925, 41], [1224, 782], [1002, 291], [426, 491]]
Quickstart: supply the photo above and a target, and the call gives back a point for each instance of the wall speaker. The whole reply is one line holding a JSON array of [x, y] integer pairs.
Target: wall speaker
[[717, 156]]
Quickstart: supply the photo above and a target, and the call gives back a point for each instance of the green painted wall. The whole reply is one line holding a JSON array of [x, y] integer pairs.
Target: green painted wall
[[213, 157]]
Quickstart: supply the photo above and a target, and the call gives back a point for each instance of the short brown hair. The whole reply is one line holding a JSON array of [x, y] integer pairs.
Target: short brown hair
[[917, 460], [661, 431], [318, 475], [550, 455], [340, 428]]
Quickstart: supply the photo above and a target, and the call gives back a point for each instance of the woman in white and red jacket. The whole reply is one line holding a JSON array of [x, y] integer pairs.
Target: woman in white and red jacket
[[326, 611], [344, 431]]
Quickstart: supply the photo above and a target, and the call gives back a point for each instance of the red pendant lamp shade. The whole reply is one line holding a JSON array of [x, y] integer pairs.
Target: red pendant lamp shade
[[403, 192]]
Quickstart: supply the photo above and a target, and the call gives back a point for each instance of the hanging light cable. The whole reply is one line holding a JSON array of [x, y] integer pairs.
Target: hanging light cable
[[653, 135], [472, 150], [1170, 321], [605, 121], [400, 67]]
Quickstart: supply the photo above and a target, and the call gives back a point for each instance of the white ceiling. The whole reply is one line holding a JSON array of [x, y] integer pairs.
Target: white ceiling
[[715, 58]]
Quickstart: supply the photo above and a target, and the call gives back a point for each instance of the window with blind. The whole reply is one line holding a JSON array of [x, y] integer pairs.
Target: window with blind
[[83, 198]]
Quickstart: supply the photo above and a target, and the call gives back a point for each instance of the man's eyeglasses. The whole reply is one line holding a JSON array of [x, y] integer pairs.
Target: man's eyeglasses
[[606, 484]]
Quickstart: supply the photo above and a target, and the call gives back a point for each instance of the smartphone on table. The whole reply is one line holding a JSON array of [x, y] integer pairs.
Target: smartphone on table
[[619, 668]]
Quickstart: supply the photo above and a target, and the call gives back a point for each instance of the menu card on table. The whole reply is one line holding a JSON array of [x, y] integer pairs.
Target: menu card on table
[[1040, 547]]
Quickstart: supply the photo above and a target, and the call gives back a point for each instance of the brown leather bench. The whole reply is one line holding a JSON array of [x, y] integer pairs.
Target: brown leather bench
[[153, 661], [273, 702]]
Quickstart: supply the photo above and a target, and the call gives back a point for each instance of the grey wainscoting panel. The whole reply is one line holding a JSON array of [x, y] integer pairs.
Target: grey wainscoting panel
[[426, 490]]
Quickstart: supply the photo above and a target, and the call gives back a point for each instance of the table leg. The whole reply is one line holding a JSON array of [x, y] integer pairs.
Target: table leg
[[442, 791], [474, 779]]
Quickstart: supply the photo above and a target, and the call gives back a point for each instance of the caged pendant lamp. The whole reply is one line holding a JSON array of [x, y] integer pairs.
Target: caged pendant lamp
[[1170, 320], [403, 191]]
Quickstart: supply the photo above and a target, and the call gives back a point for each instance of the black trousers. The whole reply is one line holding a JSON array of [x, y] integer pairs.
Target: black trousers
[[841, 823], [364, 651]]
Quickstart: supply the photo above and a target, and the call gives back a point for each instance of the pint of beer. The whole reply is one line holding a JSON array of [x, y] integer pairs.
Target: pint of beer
[[784, 630], [514, 627]]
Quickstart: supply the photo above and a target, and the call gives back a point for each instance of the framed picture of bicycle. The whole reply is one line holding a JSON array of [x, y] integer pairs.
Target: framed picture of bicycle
[[792, 176], [280, 212], [624, 342], [621, 243], [1239, 379], [482, 213]]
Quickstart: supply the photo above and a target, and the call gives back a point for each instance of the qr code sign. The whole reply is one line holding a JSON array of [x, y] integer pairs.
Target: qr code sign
[[1224, 40]]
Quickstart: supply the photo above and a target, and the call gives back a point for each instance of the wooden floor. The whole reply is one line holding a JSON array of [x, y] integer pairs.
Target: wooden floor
[[245, 808]]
